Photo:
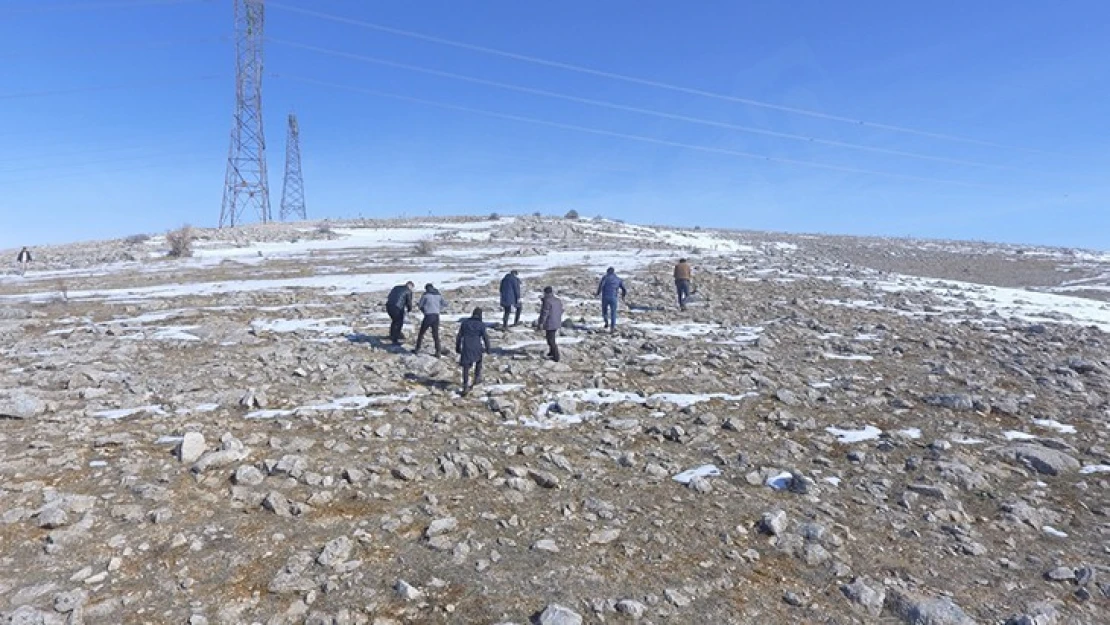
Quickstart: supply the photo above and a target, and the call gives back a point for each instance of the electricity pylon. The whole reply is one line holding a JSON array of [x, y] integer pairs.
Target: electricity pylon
[[246, 185], [292, 191]]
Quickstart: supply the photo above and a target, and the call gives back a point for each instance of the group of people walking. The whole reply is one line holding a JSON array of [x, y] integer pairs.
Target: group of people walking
[[472, 341]]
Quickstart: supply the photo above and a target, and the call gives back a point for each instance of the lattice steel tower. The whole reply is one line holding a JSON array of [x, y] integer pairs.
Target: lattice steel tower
[[246, 186], [292, 191]]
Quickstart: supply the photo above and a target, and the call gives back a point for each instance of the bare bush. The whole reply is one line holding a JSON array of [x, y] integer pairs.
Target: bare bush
[[494, 216], [572, 214], [537, 214], [137, 239], [63, 289], [325, 229], [181, 242], [424, 247]]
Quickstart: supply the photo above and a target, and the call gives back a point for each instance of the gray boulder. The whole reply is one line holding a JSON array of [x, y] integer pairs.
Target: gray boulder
[[1042, 459], [915, 609]]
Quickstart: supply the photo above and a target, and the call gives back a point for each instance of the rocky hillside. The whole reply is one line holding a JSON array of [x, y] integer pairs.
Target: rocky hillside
[[836, 431]]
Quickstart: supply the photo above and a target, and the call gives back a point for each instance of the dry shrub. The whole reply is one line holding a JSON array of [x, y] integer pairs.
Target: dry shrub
[[424, 247], [181, 242], [572, 214]]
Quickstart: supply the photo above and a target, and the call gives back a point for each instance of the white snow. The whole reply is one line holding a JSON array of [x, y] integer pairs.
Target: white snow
[[860, 357], [869, 432], [1031, 306], [551, 421], [682, 400], [283, 326], [96, 464], [1052, 531], [706, 470], [569, 340], [127, 412], [912, 433], [960, 440], [169, 440], [835, 481], [780, 481], [1095, 468], [1012, 435], [1052, 424]]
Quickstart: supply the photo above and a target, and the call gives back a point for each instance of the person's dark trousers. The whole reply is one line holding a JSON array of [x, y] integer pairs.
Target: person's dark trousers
[[553, 345], [430, 321], [477, 375], [683, 288], [609, 312], [397, 321], [505, 317]]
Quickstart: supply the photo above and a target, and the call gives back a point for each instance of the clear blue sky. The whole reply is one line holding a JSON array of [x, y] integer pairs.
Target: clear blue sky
[[1032, 76]]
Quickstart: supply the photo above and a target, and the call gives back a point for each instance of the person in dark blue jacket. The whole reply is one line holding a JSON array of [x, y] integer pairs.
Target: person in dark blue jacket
[[510, 298], [472, 343], [397, 304], [609, 288]]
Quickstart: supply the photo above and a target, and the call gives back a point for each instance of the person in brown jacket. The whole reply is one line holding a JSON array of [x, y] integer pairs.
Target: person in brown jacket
[[683, 274], [551, 319]]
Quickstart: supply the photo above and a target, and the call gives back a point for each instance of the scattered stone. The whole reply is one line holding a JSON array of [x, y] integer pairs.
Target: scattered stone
[[556, 614], [773, 523], [868, 596], [191, 447], [916, 609]]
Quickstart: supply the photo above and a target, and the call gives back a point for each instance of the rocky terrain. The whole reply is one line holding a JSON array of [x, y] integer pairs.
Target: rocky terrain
[[837, 431]]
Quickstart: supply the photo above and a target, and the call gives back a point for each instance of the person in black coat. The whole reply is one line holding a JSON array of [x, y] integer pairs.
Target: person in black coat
[[24, 260], [397, 304], [510, 298], [472, 343]]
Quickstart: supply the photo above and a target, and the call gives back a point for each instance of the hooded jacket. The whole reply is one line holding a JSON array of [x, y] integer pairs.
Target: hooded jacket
[[24, 256], [610, 286], [400, 297], [431, 303], [510, 291]]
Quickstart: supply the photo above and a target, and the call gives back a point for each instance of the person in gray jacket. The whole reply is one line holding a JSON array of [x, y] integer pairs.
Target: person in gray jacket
[[431, 304], [551, 319]]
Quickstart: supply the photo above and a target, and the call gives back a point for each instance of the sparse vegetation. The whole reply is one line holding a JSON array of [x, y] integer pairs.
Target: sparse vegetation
[[424, 247], [137, 239], [181, 242], [63, 289], [325, 230], [494, 216], [572, 214]]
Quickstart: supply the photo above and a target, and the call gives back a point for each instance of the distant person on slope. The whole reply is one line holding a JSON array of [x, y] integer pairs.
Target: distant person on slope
[[510, 298], [24, 260], [397, 304], [551, 319], [431, 304], [609, 288], [683, 274], [472, 343]]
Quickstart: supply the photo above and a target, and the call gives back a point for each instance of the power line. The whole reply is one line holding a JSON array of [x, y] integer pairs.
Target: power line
[[96, 88], [95, 6], [633, 109], [122, 159], [178, 162], [85, 50], [631, 137], [641, 81]]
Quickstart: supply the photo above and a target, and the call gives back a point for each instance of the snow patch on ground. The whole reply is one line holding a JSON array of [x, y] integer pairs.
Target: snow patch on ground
[[869, 432], [706, 470], [123, 413], [1052, 424]]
